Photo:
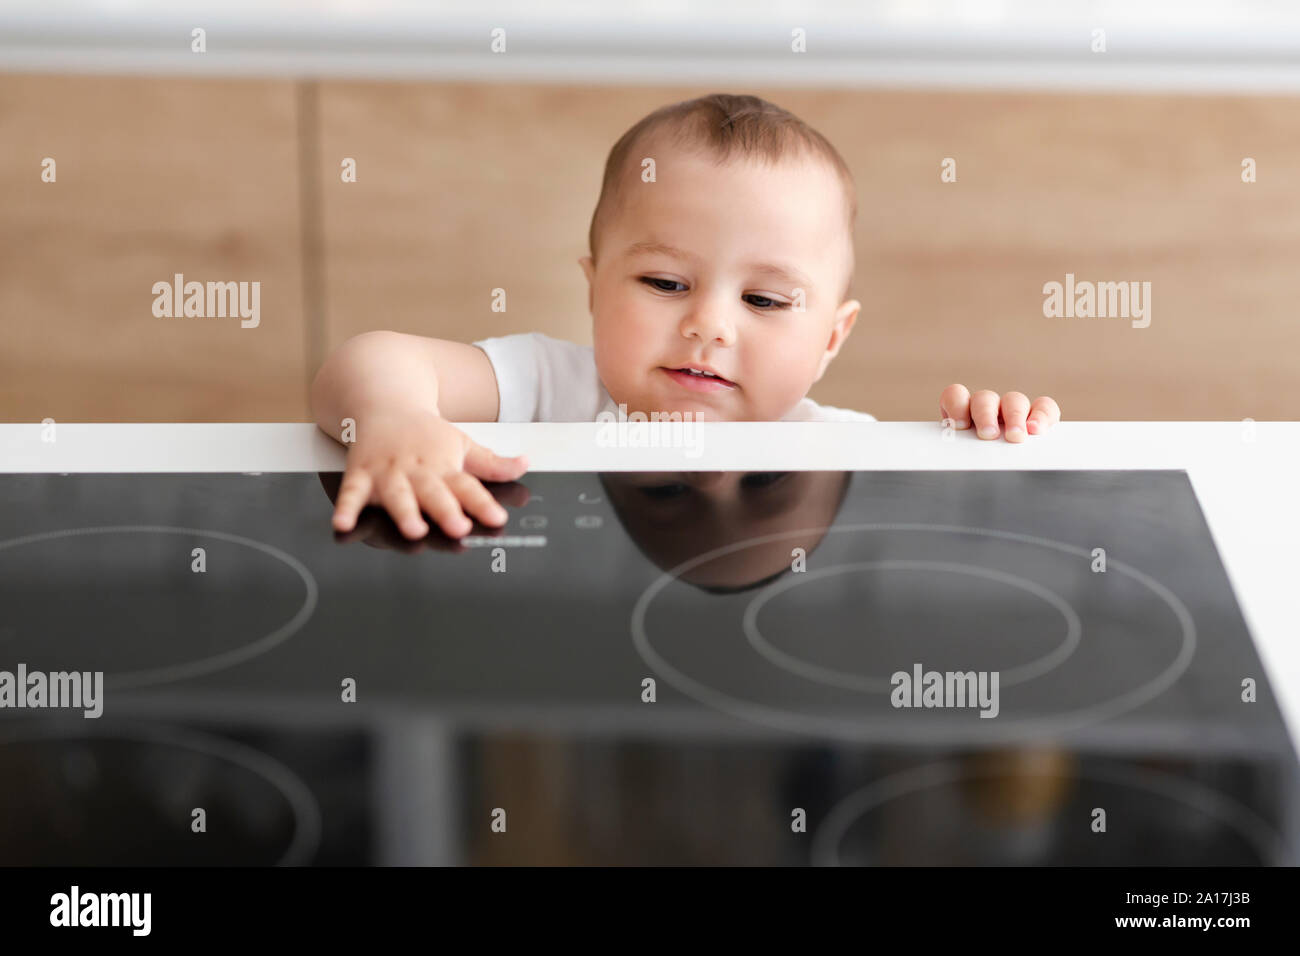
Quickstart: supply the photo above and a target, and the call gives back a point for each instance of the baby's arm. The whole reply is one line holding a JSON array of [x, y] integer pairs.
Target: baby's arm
[[403, 392]]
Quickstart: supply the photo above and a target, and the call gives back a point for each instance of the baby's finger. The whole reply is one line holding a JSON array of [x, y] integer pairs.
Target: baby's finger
[[354, 494], [376, 529], [984, 413], [476, 499], [398, 498], [1015, 406], [1043, 414], [366, 527], [441, 505], [488, 465], [954, 404]]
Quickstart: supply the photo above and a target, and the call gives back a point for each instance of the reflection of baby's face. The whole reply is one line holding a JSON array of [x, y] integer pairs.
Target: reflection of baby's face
[[704, 266], [676, 516]]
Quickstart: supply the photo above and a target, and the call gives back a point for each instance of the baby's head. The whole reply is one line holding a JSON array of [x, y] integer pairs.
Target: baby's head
[[755, 519], [748, 217]]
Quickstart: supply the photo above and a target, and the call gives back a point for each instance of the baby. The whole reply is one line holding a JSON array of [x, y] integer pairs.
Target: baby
[[719, 274]]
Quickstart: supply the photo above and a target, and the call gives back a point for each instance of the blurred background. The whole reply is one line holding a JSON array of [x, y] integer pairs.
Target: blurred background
[[1103, 140]]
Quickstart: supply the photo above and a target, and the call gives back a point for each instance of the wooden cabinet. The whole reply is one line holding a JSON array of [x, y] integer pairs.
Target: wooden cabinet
[[155, 176], [464, 188]]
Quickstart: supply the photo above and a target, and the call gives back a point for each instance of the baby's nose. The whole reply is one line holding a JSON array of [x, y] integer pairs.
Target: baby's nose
[[710, 323], [707, 479]]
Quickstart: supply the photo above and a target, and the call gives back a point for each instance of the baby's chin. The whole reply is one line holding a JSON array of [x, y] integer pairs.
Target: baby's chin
[[653, 397], [705, 408]]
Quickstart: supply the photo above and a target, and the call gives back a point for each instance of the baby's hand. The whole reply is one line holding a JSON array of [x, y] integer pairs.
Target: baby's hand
[[958, 404], [410, 460]]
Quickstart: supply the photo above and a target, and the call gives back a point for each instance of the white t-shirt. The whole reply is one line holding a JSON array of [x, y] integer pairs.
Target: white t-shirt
[[541, 379]]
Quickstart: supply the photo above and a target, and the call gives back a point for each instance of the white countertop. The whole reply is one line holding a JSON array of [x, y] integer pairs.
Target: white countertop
[[1244, 473]]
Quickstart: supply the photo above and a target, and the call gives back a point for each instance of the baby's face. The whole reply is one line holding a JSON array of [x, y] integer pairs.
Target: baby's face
[[676, 516], [703, 267]]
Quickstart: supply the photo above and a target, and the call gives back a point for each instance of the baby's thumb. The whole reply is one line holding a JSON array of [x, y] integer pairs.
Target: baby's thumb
[[486, 464]]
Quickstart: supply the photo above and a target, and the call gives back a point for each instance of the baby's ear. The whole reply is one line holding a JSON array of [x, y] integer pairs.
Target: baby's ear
[[589, 270], [845, 316]]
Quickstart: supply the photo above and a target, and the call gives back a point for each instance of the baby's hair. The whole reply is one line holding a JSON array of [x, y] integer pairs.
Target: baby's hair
[[723, 589], [725, 125]]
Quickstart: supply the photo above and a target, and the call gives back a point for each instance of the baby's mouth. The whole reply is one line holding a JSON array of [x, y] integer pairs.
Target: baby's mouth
[[698, 380]]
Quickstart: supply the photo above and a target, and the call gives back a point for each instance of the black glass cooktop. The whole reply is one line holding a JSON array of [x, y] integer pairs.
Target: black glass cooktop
[[766, 668]]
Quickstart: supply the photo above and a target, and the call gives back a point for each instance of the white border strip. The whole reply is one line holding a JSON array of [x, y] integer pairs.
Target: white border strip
[[1219, 447]]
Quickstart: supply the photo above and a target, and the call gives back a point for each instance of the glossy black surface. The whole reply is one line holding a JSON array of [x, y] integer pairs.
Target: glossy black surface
[[509, 673]]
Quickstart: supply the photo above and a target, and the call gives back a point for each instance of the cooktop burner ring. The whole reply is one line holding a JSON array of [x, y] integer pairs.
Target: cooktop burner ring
[[819, 726], [302, 802], [829, 835], [824, 675], [215, 662]]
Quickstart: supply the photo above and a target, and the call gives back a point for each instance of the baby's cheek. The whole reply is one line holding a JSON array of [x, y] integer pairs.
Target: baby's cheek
[[622, 340], [786, 382], [616, 365]]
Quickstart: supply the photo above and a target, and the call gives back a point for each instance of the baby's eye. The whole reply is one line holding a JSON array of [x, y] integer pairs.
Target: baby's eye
[[765, 302], [761, 479], [660, 284]]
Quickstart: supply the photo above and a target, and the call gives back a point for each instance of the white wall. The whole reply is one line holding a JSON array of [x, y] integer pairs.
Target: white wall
[[1241, 45]]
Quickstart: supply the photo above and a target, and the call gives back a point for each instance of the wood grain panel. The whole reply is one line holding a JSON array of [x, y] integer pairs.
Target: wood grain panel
[[463, 188], [155, 176]]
